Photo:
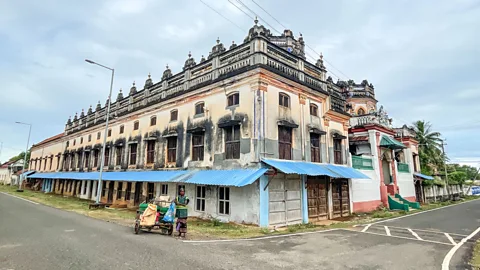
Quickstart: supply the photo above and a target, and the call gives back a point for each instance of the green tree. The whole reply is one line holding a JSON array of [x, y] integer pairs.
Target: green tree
[[430, 153], [458, 177], [20, 157]]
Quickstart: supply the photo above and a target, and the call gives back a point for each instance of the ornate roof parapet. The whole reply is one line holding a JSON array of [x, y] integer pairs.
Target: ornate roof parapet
[[89, 110], [190, 62], [82, 114], [233, 45], [330, 80], [99, 107], [256, 31], [69, 121], [167, 73], [202, 59], [320, 62], [148, 82], [106, 102], [217, 49], [120, 95], [133, 89], [75, 118]]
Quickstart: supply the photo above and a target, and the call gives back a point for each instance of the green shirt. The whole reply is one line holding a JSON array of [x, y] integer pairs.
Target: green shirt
[[182, 200]]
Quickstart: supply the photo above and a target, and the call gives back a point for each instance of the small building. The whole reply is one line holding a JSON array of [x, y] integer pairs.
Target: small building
[[9, 171]]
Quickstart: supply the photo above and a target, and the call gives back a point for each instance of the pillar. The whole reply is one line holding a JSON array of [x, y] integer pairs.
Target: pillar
[[394, 172], [264, 201], [115, 188], [304, 199], [89, 189]]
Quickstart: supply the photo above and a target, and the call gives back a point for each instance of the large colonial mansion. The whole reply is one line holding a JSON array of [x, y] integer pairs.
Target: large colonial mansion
[[254, 132]]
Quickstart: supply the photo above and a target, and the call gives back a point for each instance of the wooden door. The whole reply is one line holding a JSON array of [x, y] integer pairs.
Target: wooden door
[[336, 198], [317, 197], [110, 192], [345, 199], [340, 198], [138, 193], [418, 191]]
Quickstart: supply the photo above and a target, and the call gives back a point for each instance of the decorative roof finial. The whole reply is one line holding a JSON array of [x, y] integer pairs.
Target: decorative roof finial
[[256, 20], [89, 110], [202, 59], [190, 54], [321, 55], [120, 94], [218, 40]]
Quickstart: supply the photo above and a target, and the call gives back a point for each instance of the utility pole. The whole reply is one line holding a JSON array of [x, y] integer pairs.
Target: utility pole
[[445, 166], [1, 146]]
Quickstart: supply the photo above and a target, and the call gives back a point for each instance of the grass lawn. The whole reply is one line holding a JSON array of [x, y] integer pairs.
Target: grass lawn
[[475, 262], [209, 229]]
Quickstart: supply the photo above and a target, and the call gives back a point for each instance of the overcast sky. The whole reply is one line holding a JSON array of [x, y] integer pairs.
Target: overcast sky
[[423, 57]]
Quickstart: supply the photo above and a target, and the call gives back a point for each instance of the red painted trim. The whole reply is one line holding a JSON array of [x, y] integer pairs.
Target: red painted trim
[[368, 206]]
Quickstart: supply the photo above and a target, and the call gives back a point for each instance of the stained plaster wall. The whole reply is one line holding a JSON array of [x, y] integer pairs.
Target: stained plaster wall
[[244, 202], [216, 111], [298, 114], [46, 151]]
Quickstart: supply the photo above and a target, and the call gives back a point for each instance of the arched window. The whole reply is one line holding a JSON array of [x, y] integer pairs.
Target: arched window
[[360, 111], [284, 100], [136, 125], [199, 108], [122, 129], [233, 99], [153, 121], [313, 110]]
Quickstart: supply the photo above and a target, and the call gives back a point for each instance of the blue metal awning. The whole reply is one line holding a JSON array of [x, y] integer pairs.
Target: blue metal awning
[[27, 173], [346, 172], [236, 178], [426, 177], [299, 167], [314, 169], [147, 176]]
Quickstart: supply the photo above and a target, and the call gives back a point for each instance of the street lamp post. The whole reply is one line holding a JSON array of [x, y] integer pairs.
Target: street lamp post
[[25, 156], [99, 186]]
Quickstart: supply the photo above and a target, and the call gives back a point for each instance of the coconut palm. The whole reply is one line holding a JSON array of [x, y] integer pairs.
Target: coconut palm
[[429, 142]]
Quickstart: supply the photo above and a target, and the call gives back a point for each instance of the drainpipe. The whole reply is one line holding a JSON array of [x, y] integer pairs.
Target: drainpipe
[[302, 128], [263, 124], [258, 99]]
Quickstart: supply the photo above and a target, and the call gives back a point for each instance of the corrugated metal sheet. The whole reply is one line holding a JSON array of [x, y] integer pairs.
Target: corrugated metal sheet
[[299, 167], [314, 169], [346, 172], [391, 143], [236, 178], [27, 173], [427, 177], [147, 176]]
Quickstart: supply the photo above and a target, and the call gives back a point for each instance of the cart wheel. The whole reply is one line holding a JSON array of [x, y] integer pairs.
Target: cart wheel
[[150, 229], [170, 230], [137, 226]]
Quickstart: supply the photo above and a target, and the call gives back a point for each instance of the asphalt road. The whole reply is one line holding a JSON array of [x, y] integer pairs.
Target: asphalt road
[[39, 237]]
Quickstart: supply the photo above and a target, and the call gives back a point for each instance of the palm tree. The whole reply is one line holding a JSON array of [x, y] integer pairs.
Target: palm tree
[[429, 143]]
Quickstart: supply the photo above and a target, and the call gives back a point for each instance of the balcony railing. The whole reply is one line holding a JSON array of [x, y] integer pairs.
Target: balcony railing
[[362, 163], [403, 167]]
